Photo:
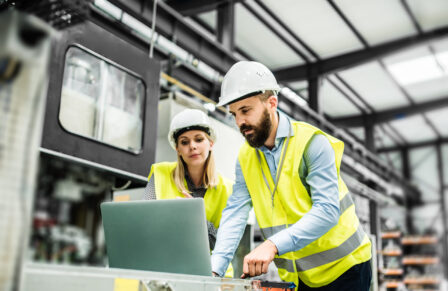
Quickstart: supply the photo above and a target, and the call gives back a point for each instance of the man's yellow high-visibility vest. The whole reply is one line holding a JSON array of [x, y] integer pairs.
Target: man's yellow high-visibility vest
[[324, 260], [215, 198]]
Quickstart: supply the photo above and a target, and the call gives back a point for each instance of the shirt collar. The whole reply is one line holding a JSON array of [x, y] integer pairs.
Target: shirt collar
[[283, 126]]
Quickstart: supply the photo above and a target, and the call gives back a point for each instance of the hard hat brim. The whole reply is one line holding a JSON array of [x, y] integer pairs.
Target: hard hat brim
[[234, 98]]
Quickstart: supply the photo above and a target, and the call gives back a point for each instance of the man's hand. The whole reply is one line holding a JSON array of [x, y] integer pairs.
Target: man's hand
[[258, 260]]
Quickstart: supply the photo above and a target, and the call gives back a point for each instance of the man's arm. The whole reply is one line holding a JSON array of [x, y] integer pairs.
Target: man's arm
[[232, 225], [322, 180]]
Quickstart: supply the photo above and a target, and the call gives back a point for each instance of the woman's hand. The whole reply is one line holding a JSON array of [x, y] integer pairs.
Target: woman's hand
[[187, 195]]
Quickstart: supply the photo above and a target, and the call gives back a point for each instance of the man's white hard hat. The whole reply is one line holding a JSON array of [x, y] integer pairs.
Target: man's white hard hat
[[244, 79], [189, 119]]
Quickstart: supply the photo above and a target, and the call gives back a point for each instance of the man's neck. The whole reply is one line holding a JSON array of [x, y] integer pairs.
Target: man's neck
[[270, 142]]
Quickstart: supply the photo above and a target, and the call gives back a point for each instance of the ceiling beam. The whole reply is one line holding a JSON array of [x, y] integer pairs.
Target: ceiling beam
[[226, 25], [348, 60], [390, 114], [194, 7], [173, 26], [420, 144]]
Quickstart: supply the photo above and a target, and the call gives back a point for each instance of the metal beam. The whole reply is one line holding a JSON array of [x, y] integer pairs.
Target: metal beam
[[414, 145], [274, 30], [408, 97], [313, 94], [193, 7], [406, 171], [349, 98], [370, 136], [411, 15], [287, 29], [390, 114], [173, 26], [348, 60], [443, 208], [226, 25], [348, 23]]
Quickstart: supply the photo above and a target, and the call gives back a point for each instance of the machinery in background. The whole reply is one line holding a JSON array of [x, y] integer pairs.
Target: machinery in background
[[102, 102], [99, 133], [66, 220], [24, 53]]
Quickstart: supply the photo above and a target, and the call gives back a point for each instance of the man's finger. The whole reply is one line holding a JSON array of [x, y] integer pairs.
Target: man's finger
[[245, 266], [251, 265], [258, 268], [265, 268]]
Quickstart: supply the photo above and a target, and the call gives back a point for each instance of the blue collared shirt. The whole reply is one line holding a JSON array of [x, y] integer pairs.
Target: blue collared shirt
[[318, 174]]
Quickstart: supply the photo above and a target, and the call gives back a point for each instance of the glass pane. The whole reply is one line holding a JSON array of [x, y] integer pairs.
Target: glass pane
[[102, 101]]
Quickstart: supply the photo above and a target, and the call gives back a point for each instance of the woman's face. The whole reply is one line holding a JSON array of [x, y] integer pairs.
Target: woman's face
[[194, 147]]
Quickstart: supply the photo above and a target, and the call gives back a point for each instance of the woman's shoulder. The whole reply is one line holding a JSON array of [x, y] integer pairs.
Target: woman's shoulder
[[164, 165]]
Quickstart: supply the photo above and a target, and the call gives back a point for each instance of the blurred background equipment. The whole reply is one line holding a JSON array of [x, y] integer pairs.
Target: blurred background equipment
[[371, 73], [59, 14], [24, 52]]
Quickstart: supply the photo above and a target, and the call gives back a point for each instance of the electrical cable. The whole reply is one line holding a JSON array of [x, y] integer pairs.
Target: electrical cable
[[153, 27]]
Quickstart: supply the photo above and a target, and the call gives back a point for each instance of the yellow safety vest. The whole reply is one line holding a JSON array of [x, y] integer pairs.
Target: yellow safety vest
[[324, 260], [215, 198]]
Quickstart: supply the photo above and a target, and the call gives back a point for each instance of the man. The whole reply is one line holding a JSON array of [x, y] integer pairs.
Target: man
[[289, 172]]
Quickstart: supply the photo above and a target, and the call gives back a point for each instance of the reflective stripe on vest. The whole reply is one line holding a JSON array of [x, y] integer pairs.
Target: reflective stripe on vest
[[325, 257], [328, 256], [286, 264], [344, 204]]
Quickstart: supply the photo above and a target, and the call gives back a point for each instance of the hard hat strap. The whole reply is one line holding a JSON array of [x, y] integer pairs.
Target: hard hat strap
[[177, 133]]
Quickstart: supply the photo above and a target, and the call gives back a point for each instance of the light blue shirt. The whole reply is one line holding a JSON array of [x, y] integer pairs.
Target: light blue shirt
[[317, 172]]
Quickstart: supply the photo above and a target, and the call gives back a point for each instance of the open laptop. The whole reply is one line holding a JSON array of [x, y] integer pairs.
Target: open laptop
[[157, 235]]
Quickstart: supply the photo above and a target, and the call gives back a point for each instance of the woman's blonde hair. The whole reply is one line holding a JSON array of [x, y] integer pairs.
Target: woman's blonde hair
[[209, 178]]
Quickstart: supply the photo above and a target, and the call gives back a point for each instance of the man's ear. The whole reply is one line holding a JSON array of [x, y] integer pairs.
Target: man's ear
[[273, 102]]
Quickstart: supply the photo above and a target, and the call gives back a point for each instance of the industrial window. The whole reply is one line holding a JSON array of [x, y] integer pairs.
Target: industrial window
[[102, 101]]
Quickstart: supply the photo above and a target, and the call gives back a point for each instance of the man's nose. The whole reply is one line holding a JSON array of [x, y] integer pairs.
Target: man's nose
[[239, 121]]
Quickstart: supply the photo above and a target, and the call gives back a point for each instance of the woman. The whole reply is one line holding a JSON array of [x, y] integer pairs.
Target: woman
[[193, 175]]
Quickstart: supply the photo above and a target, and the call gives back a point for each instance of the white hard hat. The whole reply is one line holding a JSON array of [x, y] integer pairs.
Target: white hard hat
[[189, 119], [245, 78]]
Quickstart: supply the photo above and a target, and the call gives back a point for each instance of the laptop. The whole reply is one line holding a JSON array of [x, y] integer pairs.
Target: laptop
[[157, 235]]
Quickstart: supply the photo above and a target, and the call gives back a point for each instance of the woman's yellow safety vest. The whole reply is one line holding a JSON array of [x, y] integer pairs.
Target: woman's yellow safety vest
[[215, 198], [324, 260]]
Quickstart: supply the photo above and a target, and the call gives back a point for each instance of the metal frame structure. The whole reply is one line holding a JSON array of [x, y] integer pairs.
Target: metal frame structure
[[440, 167], [171, 24], [221, 54]]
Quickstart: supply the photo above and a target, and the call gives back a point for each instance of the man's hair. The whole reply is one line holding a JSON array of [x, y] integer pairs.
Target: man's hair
[[264, 96]]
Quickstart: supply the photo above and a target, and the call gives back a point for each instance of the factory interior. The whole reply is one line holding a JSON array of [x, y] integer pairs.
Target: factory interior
[[88, 89]]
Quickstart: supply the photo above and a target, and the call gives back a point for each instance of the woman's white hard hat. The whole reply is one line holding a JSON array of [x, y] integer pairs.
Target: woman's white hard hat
[[189, 119], [245, 78]]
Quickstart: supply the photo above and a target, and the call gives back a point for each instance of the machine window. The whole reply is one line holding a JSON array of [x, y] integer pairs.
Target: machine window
[[102, 101]]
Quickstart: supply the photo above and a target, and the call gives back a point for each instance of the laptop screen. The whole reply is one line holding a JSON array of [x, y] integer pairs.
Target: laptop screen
[[157, 235]]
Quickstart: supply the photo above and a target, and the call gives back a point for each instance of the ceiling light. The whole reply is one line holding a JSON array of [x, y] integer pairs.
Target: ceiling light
[[416, 70]]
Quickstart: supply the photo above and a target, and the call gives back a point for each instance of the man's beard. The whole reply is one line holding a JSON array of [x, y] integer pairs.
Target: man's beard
[[260, 131]]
